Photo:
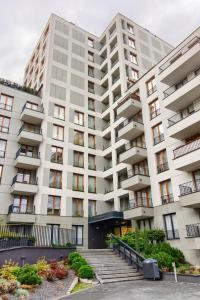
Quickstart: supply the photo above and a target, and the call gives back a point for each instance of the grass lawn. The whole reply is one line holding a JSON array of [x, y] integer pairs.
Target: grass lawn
[[81, 286]]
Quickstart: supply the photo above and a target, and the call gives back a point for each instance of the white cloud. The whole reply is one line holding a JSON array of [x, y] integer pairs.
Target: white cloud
[[22, 21]]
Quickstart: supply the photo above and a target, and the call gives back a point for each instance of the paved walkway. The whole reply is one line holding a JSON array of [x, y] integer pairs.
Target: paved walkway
[[140, 290]]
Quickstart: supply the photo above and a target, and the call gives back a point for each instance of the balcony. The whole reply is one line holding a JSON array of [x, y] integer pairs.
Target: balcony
[[180, 95], [193, 235], [27, 160], [133, 154], [21, 214], [129, 106], [165, 199], [186, 157], [30, 136], [141, 208], [32, 115], [136, 180], [181, 63], [185, 124], [162, 167], [190, 194], [23, 187], [131, 129]]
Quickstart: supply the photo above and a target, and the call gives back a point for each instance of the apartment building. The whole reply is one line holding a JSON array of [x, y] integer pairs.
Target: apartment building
[[105, 136]]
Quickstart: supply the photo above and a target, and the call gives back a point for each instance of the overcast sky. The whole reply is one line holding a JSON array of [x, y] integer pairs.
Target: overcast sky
[[22, 21]]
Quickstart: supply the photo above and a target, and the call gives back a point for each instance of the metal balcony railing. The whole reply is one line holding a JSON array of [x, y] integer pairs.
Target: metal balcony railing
[[169, 91], [133, 119], [31, 154], [17, 86], [134, 172], [108, 190], [140, 202], [32, 129], [193, 230], [179, 53], [162, 167], [129, 96], [165, 199], [38, 108], [158, 139], [129, 146], [185, 149], [12, 209], [155, 113], [189, 187], [21, 178], [152, 90]]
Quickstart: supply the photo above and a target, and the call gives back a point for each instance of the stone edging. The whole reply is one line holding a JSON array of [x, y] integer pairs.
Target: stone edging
[[190, 278]]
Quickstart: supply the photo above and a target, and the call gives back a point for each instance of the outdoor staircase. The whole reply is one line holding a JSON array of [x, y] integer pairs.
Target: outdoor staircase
[[109, 267]]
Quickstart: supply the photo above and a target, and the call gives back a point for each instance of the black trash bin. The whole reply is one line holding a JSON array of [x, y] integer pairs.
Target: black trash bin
[[151, 269]]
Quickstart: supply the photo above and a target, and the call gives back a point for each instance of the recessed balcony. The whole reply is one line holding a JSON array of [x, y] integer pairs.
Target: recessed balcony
[[21, 186], [186, 157], [133, 154], [30, 136], [181, 63], [182, 94], [141, 208], [129, 106], [131, 129], [190, 194], [136, 181], [184, 124], [27, 160], [21, 214], [32, 114]]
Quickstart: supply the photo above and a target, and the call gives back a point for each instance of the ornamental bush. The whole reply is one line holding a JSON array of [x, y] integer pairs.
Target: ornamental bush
[[86, 272], [77, 265], [72, 256], [7, 286], [80, 259], [28, 275], [164, 259]]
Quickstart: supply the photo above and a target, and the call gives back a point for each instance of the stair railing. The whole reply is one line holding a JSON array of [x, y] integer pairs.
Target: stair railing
[[126, 252]]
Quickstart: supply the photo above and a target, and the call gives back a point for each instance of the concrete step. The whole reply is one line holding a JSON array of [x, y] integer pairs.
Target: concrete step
[[113, 275], [110, 268], [102, 264], [107, 272], [122, 279]]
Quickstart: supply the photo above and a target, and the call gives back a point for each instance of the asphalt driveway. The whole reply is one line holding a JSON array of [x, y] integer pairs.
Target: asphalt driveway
[[140, 290]]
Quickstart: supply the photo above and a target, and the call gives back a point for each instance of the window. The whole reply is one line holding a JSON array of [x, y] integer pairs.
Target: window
[[90, 71], [53, 207], [3, 148], [171, 226], [78, 234], [139, 169], [134, 74], [162, 164], [158, 134], [130, 28], [78, 182], [26, 176], [91, 162], [91, 87], [55, 179], [59, 112], [91, 122], [90, 42], [166, 192], [91, 208], [77, 207], [56, 154], [91, 141], [138, 142], [58, 132], [90, 56], [151, 86], [131, 42], [91, 184], [29, 151], [22, 204], [78, 138], [6, 102], [143, 198], [79, 118], [154, 108], [31, 105], [4, 124], [78, 159], [1, 172], [91, 104], [133, 58]]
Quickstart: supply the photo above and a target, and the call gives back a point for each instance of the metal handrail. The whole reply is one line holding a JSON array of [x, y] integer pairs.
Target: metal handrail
[[187, 148], [179, 53], [133, 119], [162, 167], [193, 230], [129, 253], [167, 199], [132, 173]]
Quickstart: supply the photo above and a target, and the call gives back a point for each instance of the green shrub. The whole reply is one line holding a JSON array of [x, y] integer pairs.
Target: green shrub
[[77, 265], [28, 275], [164, 259], [80, 259], [86, 272], [155, 235], [72, 256]]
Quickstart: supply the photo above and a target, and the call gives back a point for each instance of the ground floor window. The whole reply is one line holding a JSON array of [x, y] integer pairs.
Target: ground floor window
[[171, 226], [78, 234]]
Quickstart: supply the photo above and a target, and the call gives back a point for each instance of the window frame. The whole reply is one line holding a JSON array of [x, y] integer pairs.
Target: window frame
[[59, 108], [55, 179]]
